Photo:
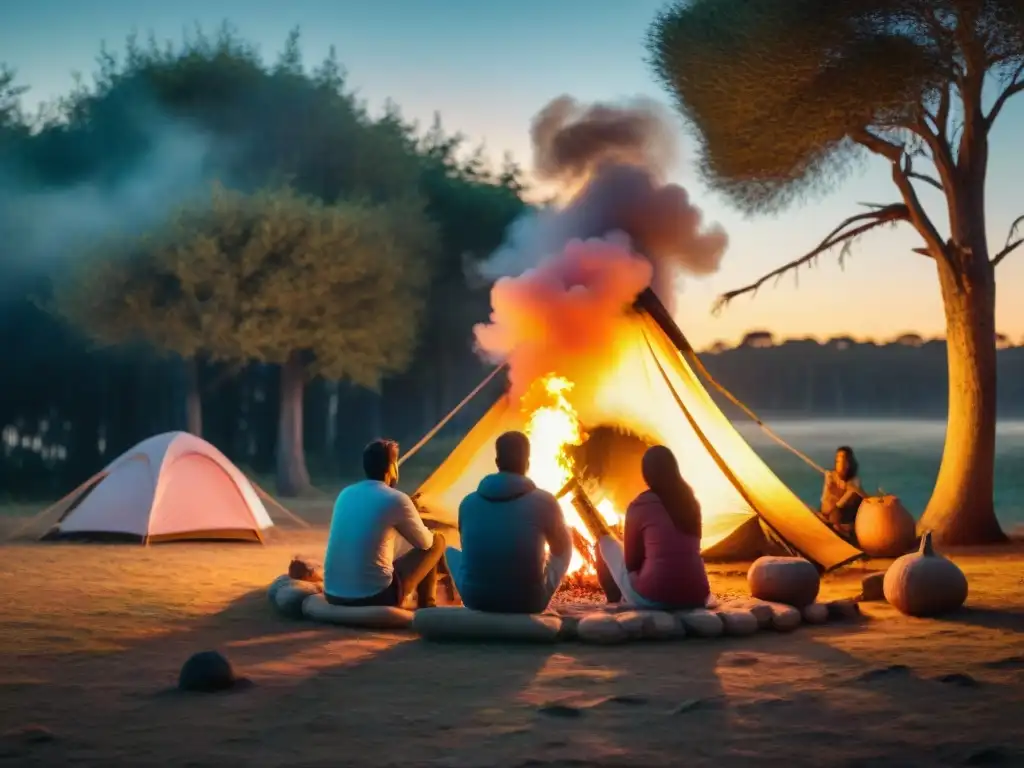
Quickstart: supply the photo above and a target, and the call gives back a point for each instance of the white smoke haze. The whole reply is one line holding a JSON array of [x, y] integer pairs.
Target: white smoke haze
[[609, 163], [44, 224]]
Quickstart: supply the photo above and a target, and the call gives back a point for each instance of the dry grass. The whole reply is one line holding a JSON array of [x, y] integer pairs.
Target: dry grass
[[93, 635]]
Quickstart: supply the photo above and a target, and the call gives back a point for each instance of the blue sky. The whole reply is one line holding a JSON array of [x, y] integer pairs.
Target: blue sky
[[488, 67]]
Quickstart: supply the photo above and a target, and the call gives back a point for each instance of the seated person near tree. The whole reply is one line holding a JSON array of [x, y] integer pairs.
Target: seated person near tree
[[360, 567], [842, 493], [658, 565], [504, 526]]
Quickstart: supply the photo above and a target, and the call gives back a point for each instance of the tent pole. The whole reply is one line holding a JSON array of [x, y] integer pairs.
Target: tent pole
[[451, 414], [714, 454], [649, 302]]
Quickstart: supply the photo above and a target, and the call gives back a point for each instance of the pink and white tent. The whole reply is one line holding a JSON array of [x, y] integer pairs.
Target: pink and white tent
[[172, 486]]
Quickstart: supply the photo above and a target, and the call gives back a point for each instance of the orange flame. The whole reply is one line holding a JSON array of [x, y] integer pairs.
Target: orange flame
[[553, 427]]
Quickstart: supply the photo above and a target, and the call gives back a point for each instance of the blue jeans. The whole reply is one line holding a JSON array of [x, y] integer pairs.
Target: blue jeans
[[554, 571]]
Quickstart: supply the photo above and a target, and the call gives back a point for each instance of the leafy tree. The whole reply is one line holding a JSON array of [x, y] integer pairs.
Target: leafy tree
[[472, 208], [13, 133], [785, 94], [758, 339], [267, 122], [10, 98], [274, 277]]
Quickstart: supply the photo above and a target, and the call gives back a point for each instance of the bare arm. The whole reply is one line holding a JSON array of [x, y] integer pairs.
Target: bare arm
[[410, 525], [559, 540], [825, 489], [633, 541]]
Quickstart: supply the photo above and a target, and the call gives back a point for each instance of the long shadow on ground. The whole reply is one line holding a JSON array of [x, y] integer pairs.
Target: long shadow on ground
[[326, 696]]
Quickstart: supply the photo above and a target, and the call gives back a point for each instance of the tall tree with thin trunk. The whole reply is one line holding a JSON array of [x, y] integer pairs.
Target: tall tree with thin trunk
[[785, 94]]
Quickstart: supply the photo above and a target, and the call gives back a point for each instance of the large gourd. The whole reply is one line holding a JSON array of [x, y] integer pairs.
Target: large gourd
[[924, 583], [884, 527]]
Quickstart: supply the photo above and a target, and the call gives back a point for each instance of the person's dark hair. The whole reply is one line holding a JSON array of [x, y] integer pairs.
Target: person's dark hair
[[378, 457], [853, 468], [661, 473], [512, 452]]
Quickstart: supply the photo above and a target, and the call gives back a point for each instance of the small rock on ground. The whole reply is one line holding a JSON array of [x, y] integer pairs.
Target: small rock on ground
[[871, 587], [883, 673], [959, 679]]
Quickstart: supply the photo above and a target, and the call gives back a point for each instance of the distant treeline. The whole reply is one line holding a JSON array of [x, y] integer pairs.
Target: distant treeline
[[842, 377]]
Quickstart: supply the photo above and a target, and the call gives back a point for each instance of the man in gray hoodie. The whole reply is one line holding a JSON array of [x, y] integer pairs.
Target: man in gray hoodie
[[504, 526]]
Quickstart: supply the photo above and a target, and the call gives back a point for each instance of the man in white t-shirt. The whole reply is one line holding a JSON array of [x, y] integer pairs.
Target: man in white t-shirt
[[360, 567]]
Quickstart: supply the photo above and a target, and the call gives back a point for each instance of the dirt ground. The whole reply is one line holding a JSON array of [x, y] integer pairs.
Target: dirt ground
[[92, 638]]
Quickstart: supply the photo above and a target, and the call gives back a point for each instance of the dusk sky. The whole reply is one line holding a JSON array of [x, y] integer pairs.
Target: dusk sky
[[488, 67]]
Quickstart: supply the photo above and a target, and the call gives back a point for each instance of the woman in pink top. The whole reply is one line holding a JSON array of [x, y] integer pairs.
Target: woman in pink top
[[659, 564]]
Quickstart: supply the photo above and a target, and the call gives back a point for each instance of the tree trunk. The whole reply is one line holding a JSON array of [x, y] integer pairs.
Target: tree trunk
[[292, 475], [961, 510], [331, 425], [193, 399]]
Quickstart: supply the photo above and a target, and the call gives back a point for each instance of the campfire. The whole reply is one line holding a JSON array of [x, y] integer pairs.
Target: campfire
[[554, 429]]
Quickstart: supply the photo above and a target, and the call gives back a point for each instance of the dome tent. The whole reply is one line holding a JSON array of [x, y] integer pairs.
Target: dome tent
[[170, 487]]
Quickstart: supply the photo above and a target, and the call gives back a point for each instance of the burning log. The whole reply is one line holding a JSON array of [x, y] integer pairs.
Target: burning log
[[583, 547], [590, 517], [588, 513]]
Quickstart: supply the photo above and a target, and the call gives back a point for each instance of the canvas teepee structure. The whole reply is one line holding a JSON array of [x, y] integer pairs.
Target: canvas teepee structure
[[170, 487], [651, 390]]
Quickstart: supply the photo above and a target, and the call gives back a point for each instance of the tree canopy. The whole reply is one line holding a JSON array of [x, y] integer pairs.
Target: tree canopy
[[262, 276], [785, 94], [264, 121]]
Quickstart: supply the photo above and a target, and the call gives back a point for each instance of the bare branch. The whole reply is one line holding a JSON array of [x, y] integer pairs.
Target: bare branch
[[942, 115], [1010, 248], [932, 130], [926, 179], [1013, 242], [1015, 86], [897, 155], [878, 145], [917, 215], [844, 233]]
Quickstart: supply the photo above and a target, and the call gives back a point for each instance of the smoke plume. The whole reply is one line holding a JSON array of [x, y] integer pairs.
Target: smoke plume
[[552, 308], [567, 271], [42, 224]]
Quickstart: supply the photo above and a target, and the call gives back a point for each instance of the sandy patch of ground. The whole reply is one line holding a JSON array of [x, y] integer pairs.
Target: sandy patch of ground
[[92, 636]]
